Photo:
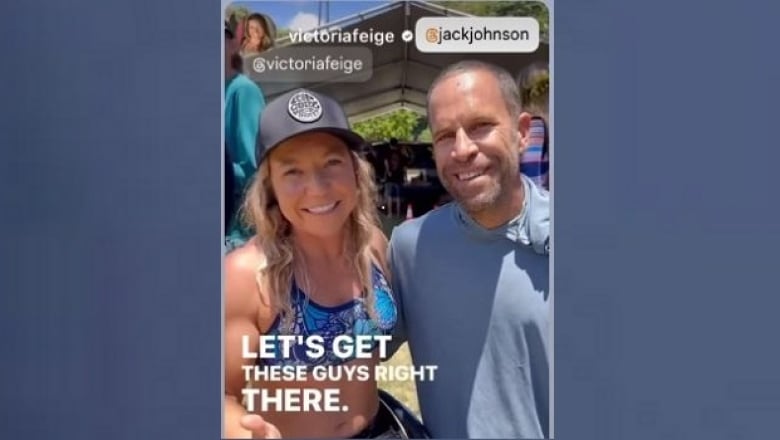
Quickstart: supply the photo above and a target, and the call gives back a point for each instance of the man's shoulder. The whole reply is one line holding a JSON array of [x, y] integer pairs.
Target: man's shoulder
[[408, 232], [538, 222], [241, 84]]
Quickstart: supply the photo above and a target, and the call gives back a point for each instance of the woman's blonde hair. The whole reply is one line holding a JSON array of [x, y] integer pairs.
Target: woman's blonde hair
[[274, 238]]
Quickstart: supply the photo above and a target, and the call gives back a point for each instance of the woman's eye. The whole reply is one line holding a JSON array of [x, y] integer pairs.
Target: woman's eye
[[292, 172]]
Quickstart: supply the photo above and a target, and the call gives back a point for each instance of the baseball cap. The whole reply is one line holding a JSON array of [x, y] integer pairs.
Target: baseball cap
[[302, 111]]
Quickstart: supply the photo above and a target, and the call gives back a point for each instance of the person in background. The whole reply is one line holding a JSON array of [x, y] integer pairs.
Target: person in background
[[395, 176], [244, 102], [534, 86]]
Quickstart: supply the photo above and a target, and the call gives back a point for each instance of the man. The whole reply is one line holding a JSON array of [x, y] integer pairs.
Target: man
[[244, 102], [472, 276]]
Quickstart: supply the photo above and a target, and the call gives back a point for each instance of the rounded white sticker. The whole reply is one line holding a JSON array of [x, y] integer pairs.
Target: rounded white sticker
[[304, 107]]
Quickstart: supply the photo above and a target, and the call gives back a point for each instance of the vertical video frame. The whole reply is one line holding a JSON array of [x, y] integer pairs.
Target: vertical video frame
[[386, 215]]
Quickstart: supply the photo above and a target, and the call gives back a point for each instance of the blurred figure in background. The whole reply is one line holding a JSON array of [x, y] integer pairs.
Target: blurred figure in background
[[534, 84], [395, 174], [244, 101]]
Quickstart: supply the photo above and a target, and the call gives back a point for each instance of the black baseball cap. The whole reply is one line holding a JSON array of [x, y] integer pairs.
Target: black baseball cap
[[302, 111]]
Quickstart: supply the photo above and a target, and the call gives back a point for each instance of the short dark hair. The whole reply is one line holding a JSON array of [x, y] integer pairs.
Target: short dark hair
[[506, 83]]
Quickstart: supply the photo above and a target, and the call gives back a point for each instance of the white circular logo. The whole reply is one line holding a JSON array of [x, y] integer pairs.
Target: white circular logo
[[259, 65], [304, 107]]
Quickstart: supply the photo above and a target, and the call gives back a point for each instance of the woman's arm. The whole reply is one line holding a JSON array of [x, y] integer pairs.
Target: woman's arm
[[242, 313]]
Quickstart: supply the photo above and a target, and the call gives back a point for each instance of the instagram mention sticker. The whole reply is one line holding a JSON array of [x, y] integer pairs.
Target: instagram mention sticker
[[477, 34], [311, 64]]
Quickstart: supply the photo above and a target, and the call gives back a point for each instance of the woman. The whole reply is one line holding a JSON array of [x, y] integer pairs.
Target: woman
[[259, 34], [315, 267]]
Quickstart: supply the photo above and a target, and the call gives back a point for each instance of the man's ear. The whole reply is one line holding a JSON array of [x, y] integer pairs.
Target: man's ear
[[523, 130]]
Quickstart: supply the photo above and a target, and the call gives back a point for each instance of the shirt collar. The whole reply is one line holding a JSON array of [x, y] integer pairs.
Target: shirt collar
[[514, 230]]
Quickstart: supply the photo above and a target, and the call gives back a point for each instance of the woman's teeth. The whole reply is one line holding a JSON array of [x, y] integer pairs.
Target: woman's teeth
[[321, 209]]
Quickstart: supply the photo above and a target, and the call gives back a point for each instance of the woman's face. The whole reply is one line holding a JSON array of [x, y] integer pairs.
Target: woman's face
[[313, 179], [255, 32]]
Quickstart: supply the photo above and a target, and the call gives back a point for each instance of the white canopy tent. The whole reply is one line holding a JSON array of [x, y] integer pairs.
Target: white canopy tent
[[401, 74]]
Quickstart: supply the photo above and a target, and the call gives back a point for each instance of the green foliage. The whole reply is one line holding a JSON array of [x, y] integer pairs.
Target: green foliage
[[401, 124], [420, 129], [537, 10], [236, 13], [540, 87], [425, 136], [535, 91]]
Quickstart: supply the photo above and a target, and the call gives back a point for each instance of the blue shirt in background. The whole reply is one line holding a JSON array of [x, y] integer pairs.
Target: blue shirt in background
[[244, 102]]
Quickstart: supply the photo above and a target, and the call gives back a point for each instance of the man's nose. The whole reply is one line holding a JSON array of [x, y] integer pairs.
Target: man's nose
[[464, 148]]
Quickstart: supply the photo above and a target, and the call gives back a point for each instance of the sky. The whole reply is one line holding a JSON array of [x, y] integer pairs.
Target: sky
[[302, 14]]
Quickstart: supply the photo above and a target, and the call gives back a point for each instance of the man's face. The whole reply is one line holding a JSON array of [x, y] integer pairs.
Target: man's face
[[476, 143]]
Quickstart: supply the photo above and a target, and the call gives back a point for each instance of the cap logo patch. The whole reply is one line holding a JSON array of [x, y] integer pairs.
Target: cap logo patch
[[304, 107]]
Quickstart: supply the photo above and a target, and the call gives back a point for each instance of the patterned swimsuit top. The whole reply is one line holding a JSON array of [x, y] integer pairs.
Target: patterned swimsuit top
[[350, 318]]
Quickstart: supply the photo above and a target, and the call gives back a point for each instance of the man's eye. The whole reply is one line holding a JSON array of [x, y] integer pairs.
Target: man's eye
[[334, 161], [292, 172], [480, 129], [443, 137]]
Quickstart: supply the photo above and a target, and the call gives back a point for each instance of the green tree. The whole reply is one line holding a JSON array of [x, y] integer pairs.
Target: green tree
[[400, 124], [425, 135], [420, 128], [537, 10]]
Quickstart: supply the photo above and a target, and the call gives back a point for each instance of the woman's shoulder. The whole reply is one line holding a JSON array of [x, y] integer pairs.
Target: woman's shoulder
[[242, 293], [245, 260]]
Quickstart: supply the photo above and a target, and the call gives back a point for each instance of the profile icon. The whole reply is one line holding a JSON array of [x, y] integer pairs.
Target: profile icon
[[258, 34]]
